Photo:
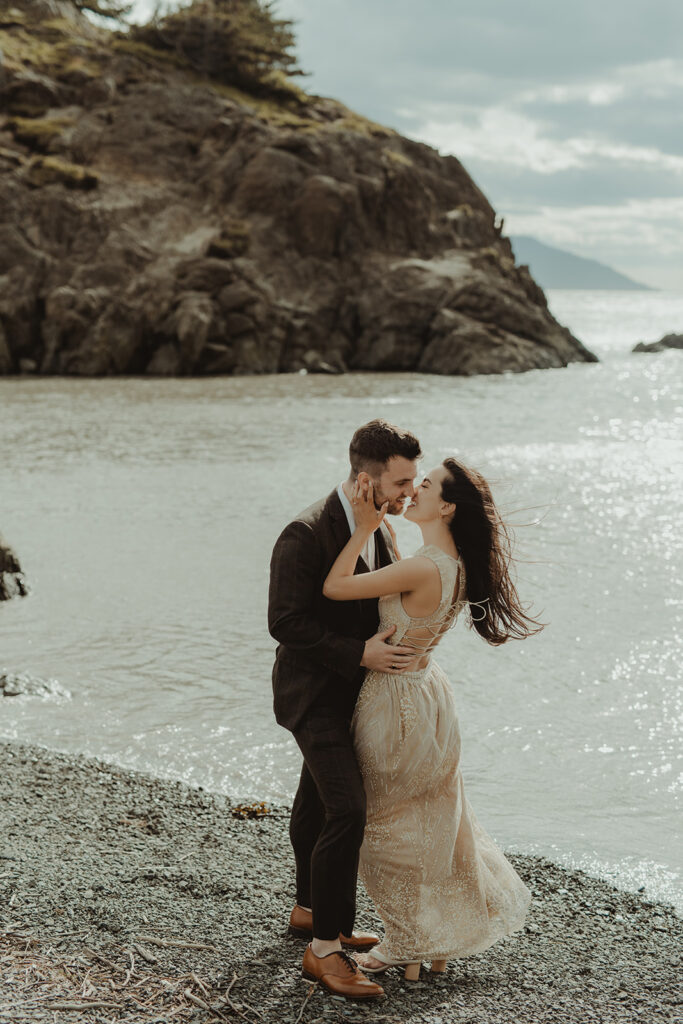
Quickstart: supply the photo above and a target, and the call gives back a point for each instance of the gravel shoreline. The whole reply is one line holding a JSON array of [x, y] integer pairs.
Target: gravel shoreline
[[102, 870]]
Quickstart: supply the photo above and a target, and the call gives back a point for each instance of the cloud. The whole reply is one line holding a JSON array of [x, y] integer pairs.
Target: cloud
[[501, 135], [569, 116], [658, 80], [645, 221], [600, 184], [616, 233], [628, 119]]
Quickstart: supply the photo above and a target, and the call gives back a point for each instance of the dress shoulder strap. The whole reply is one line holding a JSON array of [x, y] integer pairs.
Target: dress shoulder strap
[[452, 572], [449, 569]]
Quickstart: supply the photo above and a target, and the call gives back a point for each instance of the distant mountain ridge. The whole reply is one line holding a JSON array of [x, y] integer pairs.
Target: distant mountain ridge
[[556, 268]]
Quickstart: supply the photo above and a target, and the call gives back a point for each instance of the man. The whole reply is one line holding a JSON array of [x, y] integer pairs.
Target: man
[[324, 650]]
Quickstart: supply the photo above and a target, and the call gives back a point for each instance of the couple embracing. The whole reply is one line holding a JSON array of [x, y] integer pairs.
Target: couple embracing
[[381, 792]]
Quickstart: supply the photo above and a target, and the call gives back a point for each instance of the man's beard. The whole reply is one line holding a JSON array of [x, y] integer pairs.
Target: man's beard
[[395, 507]]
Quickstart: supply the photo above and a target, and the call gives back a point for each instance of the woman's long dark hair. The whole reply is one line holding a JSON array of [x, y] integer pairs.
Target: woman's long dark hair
[[484, 544]]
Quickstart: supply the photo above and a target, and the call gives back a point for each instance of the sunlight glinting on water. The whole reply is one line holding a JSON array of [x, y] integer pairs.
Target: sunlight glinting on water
[[144, 513]]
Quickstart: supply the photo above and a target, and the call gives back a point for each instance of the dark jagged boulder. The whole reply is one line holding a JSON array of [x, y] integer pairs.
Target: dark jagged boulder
[[668, 341], [156, 222], [20, 684], [12, 582]]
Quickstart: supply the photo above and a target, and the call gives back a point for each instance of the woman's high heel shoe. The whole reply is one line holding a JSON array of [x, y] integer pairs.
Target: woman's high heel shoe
[[411, 972], [412, 967]]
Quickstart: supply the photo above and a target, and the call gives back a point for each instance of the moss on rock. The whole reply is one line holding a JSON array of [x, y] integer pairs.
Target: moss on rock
[[393, 156], [351, 122], [37, 132], [233, 240], [21, 48], [149, 54], [50, 171]]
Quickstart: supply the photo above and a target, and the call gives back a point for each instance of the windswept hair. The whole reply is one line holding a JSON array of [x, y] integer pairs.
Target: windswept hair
[[484, 544], [378, 441]]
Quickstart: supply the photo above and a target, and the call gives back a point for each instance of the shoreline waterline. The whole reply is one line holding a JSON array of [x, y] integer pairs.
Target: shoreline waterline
[[125, 501], [100, 862], [637, 881]]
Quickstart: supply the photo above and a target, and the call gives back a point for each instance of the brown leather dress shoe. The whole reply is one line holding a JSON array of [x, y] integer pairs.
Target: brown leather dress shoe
[[301, 925], [340, 974]]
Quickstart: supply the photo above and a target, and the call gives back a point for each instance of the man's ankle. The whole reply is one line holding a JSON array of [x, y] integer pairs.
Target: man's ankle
[[323, 947]]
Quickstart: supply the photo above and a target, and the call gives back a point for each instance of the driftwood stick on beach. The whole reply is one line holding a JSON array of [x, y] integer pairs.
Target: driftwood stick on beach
[[196, 1000], [241, 1009], [104, 960], [177, 943], [311, 990], [145, 954], [98, 1004], [200, 984], [131, 970]]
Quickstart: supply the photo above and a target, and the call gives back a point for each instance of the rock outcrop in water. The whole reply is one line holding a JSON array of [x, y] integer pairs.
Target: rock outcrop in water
[[668, 341], [12, 582], [156, 222], [22, 685]]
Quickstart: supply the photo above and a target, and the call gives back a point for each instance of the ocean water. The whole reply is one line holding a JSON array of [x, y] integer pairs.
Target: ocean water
[[144, 513]]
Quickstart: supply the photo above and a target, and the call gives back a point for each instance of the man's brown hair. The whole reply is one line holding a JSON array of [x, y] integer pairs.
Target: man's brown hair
[[378, 441]]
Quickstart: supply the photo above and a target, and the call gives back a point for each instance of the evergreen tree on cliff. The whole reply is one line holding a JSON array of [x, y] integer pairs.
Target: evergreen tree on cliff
[[238, 42]]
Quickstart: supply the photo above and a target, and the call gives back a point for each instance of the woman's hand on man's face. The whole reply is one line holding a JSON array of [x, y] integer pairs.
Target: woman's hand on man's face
[[363, 503]]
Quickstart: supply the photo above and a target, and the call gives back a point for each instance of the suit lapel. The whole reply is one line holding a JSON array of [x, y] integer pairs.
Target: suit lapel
[[383, 547], [340, 525]]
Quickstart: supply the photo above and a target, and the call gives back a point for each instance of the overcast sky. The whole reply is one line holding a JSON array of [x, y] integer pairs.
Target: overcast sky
[[569, 116]]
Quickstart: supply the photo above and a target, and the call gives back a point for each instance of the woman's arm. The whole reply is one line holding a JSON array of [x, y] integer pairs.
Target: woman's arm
[[400, 577]]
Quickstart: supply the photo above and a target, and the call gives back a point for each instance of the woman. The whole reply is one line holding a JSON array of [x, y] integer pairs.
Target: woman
[[440, 884]]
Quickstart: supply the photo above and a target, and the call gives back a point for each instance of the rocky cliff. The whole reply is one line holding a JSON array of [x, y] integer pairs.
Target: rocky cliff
[[12, 582], [155, 222]]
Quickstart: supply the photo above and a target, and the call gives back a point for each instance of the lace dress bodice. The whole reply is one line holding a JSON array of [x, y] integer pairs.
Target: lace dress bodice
[[424, 633]]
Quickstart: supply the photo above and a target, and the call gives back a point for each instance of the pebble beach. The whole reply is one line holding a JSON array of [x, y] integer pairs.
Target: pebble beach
[[135, 899]]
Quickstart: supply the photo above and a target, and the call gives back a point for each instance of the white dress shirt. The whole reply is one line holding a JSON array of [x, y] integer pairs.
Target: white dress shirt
[[368, 552]]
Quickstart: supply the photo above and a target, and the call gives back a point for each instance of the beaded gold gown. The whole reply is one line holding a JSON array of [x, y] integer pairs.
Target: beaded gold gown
[[441, 886]]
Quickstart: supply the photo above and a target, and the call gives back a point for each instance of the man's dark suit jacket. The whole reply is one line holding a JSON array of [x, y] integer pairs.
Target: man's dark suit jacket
[[321, 642]]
